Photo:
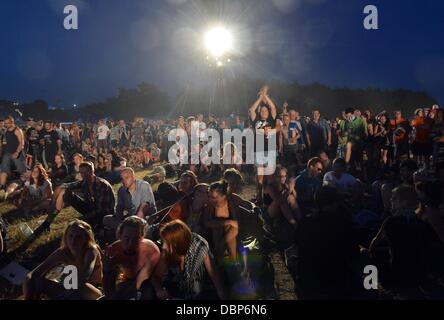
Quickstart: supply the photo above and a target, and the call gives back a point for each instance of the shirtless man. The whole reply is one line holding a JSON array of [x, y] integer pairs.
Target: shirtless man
[[135, 256]]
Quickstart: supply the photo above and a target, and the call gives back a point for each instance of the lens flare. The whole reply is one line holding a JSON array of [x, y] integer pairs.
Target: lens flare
[[218, 41]]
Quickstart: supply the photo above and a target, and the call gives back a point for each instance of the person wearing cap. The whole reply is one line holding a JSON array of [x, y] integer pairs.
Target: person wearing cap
[[422, 146]]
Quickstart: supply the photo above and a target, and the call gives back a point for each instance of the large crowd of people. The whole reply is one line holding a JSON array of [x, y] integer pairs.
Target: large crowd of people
[[360, 189]]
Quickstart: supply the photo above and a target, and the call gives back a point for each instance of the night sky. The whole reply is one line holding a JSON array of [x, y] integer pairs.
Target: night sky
[[122, 43]]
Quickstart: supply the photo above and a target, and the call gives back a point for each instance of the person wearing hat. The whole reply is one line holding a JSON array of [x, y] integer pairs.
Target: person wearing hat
[[422, 146]]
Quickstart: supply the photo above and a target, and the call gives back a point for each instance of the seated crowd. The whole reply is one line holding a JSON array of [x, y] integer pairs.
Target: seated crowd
[[355, 191]]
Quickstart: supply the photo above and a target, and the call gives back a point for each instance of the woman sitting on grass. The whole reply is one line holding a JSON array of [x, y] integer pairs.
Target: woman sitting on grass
[[184, 262], [59, 171], [220, 224], [78, 249], [36, 194], [103, 166]]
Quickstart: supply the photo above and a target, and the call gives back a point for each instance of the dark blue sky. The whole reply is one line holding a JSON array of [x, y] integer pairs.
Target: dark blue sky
[[122, 43]]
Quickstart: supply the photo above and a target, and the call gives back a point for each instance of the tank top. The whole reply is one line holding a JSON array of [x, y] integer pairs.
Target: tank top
[[12, 142]]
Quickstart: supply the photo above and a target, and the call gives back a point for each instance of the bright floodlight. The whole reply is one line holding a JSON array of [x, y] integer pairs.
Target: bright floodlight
[[218, 41]]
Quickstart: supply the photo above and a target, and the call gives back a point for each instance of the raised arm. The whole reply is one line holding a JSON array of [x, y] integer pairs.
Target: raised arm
[[253, 109], [271, 105]]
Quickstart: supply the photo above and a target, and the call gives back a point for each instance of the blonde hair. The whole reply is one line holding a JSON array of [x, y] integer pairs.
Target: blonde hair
[[85, 228]]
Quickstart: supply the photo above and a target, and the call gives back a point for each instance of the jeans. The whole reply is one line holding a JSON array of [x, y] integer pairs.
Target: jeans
[[19, 163]]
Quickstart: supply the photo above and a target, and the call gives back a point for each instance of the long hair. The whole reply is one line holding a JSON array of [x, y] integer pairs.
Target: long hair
[[62, 156], [43, 175], [178, 235], [101, 156], [85, 228]]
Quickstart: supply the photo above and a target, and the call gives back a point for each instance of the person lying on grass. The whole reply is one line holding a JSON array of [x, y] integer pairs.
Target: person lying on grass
[[78, 249], [136, 257]]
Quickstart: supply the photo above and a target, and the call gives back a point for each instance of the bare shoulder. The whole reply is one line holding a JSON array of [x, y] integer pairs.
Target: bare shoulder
[[150, 245]]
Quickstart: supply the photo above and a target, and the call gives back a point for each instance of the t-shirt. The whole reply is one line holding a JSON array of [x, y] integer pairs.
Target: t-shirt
[[296, 125], [143, 194], [401, 136], [38, 191], [318, 132], [33, 136], [50, 141], [259, 125], [423, 127], [306, 188], [352, 131], [345, 182], [102, 132], [155, 153], [114, 135]]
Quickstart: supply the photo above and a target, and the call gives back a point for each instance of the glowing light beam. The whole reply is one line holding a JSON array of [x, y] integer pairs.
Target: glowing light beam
[[218, 41]]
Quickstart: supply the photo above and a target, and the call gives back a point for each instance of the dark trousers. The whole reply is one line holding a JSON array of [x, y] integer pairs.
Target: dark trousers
[[85, 208]]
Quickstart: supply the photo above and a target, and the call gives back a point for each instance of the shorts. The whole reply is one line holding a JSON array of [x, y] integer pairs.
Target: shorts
[[19, 163], [102, 144]]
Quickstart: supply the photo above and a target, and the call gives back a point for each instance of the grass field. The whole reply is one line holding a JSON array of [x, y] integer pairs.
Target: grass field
[[48, 241]]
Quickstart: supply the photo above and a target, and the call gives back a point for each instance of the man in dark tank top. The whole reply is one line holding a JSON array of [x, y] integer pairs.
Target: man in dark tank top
[[13, 151]]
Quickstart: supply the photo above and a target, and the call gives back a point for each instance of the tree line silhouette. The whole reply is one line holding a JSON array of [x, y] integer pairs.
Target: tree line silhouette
[[225, 97]]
